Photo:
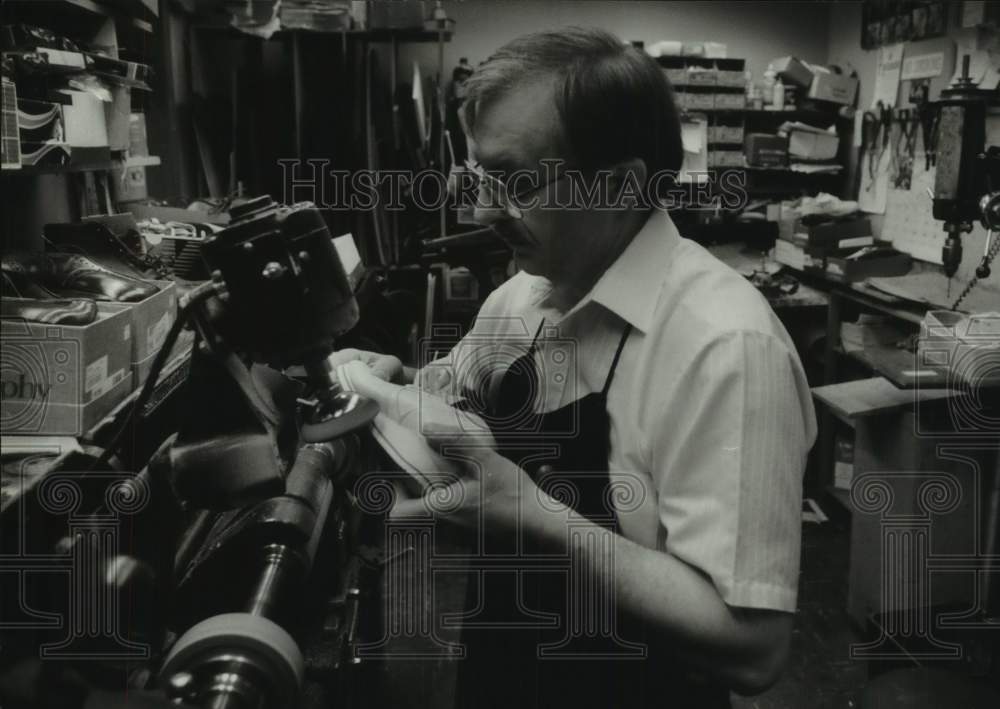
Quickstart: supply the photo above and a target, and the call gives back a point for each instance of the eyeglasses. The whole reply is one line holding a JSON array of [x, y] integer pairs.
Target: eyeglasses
[[497, 194]]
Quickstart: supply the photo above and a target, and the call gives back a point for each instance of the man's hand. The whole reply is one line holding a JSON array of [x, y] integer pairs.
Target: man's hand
[[385, 367], [489, 488]]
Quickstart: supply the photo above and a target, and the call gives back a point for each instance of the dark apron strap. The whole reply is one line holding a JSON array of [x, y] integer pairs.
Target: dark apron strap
[[614, 362]]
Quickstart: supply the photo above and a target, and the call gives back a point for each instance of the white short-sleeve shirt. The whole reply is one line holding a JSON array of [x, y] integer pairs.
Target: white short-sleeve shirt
[[711, 415]]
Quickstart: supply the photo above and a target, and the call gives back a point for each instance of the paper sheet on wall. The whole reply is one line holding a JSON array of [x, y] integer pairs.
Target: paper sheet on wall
[[874, 183], [922, 66], [890, 62], [909, 220], [694, 136]]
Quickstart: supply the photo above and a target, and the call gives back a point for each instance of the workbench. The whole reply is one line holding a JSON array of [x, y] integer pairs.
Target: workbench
[[905, 298], [745, 261]]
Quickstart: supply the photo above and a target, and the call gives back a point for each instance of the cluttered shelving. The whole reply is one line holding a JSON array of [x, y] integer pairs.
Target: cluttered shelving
[[728, 126], [77, 83]]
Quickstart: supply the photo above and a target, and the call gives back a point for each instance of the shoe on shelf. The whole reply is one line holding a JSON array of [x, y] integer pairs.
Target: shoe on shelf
[[112, 241], [51, 312], [14, 284], [74, 276]]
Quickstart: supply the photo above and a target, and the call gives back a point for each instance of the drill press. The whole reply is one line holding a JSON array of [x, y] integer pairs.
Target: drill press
[[967, 182]]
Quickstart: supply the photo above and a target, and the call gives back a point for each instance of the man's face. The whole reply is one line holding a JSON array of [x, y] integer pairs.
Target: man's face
[[514, 133]]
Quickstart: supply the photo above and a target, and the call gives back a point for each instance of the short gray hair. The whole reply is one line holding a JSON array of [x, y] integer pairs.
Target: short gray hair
[[613, 100]]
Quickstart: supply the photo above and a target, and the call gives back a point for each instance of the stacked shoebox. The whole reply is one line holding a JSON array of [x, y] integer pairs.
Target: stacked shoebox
[[842, 249], [790, 246], [104, 238], [706, 83], [79, 335], [66, 361], [151, 320], [60, 380]]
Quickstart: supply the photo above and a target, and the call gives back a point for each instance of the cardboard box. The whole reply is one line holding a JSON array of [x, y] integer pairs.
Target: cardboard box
[[725, 158], [791, 70], [700, 76], [715, 50], [793, 255], [834, 231], [766, 150], [789, 254], [888, 262], [128, 183], [84, 120], [117, 114], [181, 348], [725, 134], [397, 14], [699, 101], [675, 75], [138, 143], [843, 247], [733, 101], [150, 319], [733, 78], [837, 88], [809, 143], [61, 380]]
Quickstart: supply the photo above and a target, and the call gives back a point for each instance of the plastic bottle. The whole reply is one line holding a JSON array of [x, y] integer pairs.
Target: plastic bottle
[[778, 102], [769, 77]]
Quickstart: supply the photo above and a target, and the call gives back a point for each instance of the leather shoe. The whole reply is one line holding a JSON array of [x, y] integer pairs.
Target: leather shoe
[[14, 284], [50, 312], [112, 241], [76, 276]]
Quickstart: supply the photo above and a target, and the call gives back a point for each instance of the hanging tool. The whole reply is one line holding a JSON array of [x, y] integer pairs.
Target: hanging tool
[[869, 142], [896, 138], [929, 115], [904, 148], [875, 123], [885, 125]]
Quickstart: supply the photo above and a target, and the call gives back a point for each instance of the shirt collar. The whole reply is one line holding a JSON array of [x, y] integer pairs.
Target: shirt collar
[[631, 287]]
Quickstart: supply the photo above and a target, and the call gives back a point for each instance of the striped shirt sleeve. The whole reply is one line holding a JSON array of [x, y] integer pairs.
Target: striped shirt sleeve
[[728, 464]]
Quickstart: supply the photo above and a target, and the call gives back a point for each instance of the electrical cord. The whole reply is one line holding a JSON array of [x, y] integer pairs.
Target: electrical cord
[[193, 299]]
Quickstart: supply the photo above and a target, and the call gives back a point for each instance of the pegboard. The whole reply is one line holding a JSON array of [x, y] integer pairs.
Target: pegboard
[[909, 222]]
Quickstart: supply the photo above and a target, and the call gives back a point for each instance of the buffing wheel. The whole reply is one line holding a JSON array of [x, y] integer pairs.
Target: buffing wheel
[[266, 643], [346, 411]]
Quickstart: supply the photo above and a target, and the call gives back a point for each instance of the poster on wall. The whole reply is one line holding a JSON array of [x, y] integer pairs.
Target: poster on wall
[[924, 66], [886, 22], [890, 64]]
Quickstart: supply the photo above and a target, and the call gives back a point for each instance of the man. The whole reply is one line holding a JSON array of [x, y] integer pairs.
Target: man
[[678, 385]]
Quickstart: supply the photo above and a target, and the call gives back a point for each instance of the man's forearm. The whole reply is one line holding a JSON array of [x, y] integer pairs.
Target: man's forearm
[[744, 648]]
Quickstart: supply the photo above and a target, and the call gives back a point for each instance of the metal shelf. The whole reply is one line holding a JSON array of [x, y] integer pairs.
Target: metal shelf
[[96, 166], [59, 169], [139, 161], [414, 35]]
